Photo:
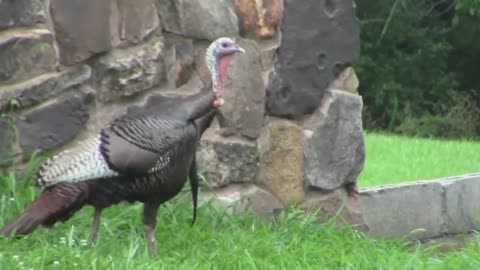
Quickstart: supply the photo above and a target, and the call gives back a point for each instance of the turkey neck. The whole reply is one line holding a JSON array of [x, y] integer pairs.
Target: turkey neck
[[199, 104], [204, 122]]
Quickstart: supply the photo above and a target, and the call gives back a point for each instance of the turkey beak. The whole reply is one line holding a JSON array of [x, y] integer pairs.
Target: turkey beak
[[239, 49]]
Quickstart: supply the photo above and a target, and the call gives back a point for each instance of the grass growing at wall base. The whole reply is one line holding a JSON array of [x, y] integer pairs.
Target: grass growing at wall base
[[217, 241], [394, 159], [222, 241]]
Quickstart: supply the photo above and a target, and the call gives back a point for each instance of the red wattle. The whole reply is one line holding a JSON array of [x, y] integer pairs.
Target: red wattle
[[223, 66]]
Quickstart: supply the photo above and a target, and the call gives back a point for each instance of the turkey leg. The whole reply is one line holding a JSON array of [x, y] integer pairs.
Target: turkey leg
[[194, 180], [150, 221], [95, 226]]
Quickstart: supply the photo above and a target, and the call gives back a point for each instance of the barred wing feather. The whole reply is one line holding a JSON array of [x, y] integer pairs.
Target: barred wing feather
[[127, 146], [140, 145], [80, 163]]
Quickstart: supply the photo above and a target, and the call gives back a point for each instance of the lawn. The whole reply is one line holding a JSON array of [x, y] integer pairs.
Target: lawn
[[217, 241], [222, 241], [393, 159]]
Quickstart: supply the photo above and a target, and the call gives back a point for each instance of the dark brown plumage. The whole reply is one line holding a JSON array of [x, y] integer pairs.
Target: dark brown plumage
[[145, 156]]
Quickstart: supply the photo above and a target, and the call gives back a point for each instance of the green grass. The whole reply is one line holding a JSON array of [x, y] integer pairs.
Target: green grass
[[222, 241], [217, 241], [393, 159]]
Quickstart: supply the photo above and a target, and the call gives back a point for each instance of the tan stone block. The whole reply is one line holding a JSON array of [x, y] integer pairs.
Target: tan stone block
[[259, 18], [281, 160]]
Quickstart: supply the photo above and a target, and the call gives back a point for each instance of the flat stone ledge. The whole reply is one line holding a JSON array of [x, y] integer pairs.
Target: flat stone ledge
[[462, 204], [423, 209], [43, 87]]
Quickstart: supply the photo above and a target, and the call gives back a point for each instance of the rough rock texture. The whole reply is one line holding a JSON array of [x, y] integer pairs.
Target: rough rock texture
[[259, 18], [43, 87], [135, 55], [281, 160], [313, 52], [200, 64], [199, 18], [124, 72], [462, 211], [268, 57], [244, 94], [53, 124], [82, 28], [242, 198], [346, 81], [137, 19], [184, 56], [423, 209], [7, 139], [412, 210], [21, 13], [25, 54], [346, 209], [334, 148], [226, 160]]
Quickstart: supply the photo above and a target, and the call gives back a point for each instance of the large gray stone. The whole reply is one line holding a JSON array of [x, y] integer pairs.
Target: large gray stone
[[25, 54], [200, 63], [462, 204], [14, 13], [137, 19], [41, 88], [184, 56], [237, 198], [125, 72], [334, 148], [199, 18], [82, 28], [413, 210], [226, 160], [244, 94], [319, 39], [53, 124]]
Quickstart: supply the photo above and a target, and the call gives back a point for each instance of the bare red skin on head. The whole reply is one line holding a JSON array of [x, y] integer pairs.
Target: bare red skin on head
[[222, 72], [223, 64]]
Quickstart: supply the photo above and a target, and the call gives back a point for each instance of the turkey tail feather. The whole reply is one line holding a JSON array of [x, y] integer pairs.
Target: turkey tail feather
[[57, 203]]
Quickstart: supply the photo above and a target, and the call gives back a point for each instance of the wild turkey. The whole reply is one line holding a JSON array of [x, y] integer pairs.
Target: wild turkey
[[145, 156]]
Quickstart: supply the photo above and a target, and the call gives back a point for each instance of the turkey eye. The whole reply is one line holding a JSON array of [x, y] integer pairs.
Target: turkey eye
[[224, 45]]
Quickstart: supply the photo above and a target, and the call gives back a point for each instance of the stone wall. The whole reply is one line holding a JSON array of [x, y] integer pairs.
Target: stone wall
[[423, 209], [290, 130]]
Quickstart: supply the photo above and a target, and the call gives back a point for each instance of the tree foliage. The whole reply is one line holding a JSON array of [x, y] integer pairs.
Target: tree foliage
[[410, 75], [464, 7]]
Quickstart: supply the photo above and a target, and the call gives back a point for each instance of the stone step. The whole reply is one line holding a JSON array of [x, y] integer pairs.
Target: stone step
[[25, 54], [21, 13], [43, 87]]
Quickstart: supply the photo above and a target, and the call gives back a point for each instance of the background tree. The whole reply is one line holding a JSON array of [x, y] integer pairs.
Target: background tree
[[418, 66]]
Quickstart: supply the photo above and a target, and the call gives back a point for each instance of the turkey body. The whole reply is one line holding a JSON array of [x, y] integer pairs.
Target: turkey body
[[145, 156], [154, 186]]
